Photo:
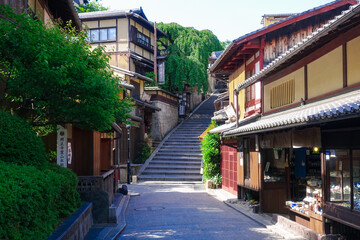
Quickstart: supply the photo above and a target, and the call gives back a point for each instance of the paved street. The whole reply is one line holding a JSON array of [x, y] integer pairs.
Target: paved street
[[185, 211]]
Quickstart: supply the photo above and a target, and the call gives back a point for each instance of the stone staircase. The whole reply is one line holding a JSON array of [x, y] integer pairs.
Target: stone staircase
[[179, 157]]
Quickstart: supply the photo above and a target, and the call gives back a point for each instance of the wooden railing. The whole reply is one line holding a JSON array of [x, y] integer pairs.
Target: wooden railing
[[104, 182]]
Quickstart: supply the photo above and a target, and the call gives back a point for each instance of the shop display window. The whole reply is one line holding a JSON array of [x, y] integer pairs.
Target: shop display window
[[356, 178], [339, 168], [274, 168]]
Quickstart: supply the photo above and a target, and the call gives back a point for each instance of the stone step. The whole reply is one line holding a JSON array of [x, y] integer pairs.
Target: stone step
[[184, 136], [188, 128], [174, 167], [175, 162], [182, 146], [176, 141], [160, 177], [171, 172], [179, 150], [179, 154], [175, 158]]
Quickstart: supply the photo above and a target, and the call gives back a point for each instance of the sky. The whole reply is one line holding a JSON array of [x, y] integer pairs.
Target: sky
[[227, 19]]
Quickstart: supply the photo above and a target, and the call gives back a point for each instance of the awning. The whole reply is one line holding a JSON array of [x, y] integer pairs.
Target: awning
[[330, 109]]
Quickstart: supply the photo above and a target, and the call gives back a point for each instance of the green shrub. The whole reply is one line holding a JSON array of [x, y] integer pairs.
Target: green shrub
[[210, 148], [32, 200], [144, 153], [19, 143]]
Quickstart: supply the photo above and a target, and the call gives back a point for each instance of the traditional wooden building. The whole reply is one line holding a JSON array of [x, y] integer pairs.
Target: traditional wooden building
[[128, 37], [305, 144], [246, 57]]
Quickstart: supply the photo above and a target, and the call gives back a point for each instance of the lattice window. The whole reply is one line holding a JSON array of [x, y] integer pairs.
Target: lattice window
[[282, 94]]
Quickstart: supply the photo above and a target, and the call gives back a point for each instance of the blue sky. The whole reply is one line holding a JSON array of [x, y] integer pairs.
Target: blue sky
[[227, 19]]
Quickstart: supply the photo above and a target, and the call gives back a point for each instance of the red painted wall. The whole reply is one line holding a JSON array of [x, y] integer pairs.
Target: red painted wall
[[229, 169]]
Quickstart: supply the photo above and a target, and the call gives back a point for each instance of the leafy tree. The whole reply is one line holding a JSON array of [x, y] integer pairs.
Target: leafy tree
[[225, 43], [49, 75], [188, 51], [91, 6]]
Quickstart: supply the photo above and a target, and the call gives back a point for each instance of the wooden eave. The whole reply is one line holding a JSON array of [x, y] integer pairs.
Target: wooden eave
[[236, 55], [344, 32]]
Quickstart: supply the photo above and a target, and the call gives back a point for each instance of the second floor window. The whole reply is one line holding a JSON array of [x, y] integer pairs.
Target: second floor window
[[103, 34], [282, 94], [142, 39]]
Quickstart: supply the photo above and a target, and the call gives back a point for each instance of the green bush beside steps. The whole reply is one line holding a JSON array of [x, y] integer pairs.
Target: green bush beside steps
[[35, 195]]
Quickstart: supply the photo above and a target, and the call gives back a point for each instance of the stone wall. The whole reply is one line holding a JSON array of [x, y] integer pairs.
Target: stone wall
[[76, 226], [163, 121], [195, 99]]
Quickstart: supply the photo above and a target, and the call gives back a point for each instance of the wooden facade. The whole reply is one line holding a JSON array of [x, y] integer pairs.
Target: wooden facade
[[128, 37], [248, 55], [322, 72]]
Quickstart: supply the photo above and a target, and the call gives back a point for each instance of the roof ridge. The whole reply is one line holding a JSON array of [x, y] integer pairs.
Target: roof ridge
[[297, 46]]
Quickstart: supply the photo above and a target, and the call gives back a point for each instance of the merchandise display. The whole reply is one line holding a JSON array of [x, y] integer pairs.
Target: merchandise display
[[312, 202]]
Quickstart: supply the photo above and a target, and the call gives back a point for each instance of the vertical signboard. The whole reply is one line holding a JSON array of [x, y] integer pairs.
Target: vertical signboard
[[62, 146], [162, 73]]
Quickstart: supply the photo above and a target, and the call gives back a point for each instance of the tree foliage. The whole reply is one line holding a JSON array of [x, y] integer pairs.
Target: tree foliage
[[19, 144], [187, 58], [91, 6], [225, 43], [49, 75]]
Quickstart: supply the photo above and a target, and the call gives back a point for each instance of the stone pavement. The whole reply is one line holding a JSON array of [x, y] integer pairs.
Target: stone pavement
[[170, 210]]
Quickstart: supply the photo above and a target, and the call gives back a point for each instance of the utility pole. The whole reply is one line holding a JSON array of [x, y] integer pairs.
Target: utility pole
[[155, 54]]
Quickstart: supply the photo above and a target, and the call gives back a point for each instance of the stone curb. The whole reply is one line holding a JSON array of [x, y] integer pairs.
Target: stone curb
[[255, 217], [116, 231]]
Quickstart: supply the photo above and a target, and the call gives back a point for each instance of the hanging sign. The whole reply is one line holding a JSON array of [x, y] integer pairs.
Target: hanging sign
[[241, 157], [161, 73], [69, 153], [61, 146]]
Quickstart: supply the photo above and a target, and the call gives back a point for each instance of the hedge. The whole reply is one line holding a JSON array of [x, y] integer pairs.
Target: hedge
[[19, 143], [210, 148], [35, 195], [33, 200]]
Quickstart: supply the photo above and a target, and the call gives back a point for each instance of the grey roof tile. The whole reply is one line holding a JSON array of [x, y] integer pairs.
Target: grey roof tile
[[335, 107]]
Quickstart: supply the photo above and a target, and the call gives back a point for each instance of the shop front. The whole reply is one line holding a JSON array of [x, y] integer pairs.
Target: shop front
[[341, 161], [291, 179]]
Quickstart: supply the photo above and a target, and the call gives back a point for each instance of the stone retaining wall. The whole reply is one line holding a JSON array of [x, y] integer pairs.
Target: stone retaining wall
[[76, 226], [163, 121]]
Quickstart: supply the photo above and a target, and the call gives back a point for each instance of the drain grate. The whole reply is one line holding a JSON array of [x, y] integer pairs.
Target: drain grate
[[149, 208]]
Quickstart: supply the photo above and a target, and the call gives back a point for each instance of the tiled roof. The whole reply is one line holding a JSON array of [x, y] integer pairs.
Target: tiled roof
[[126, 85], [227, 127], [335, 107], [220, 115], [160, 89], [222, 96], [249, 35], [354, 9], [112, 13], [146, 104], [131, 73]]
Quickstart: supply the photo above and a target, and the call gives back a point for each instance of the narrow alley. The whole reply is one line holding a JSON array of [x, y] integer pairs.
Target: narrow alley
[[169, 210]]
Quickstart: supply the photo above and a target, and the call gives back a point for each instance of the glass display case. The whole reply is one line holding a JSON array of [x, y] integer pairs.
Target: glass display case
[[356, 179], [339, 176]]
